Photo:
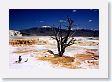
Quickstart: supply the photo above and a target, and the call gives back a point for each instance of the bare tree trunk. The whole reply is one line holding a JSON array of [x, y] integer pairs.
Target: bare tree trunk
[[62, 40]]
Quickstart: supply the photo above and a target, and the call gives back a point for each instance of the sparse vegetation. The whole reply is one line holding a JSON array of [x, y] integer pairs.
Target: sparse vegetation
[[26, 42], [70, 62], [64, 61], [24, 51]]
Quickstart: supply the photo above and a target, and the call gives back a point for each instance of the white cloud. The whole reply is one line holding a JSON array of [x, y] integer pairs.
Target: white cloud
[[93, 10], [74, 11], [41, 21], [90, 20], [62, 21]]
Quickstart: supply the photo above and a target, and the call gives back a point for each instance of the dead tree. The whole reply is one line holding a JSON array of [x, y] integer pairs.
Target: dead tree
[[64, 39]]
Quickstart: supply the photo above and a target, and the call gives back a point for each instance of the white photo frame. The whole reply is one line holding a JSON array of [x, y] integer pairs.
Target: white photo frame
[[102, 72]]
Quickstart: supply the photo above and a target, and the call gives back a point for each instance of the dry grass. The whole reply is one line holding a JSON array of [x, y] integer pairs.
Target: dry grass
[[86, 43], [86, 57], [69, 62], [65, 61], [58, 60], [24, 51], [27, 42], [42, 42]]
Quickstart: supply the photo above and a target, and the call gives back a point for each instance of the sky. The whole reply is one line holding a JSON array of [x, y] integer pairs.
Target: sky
[[28, 18]]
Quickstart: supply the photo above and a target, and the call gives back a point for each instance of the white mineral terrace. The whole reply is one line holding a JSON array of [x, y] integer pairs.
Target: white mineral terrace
[[34, 63]]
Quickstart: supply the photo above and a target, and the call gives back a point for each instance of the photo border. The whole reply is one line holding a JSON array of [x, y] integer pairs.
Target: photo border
[[102, 72]]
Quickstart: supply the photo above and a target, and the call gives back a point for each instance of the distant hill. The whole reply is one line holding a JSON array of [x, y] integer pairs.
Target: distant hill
[[48, 31]]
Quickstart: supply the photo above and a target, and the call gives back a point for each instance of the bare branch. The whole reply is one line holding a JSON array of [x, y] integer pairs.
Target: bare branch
[[70, 22], [53, 37], [70, 42], [72, 34], [64, 41]]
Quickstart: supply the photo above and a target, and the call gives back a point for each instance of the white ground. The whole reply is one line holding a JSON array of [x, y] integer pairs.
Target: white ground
[[34, 63]]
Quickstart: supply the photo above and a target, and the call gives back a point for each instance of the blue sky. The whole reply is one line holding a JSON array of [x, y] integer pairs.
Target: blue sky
[[28, 18]]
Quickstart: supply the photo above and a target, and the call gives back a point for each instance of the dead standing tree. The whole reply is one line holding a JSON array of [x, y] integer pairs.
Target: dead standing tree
[[64, 40]]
